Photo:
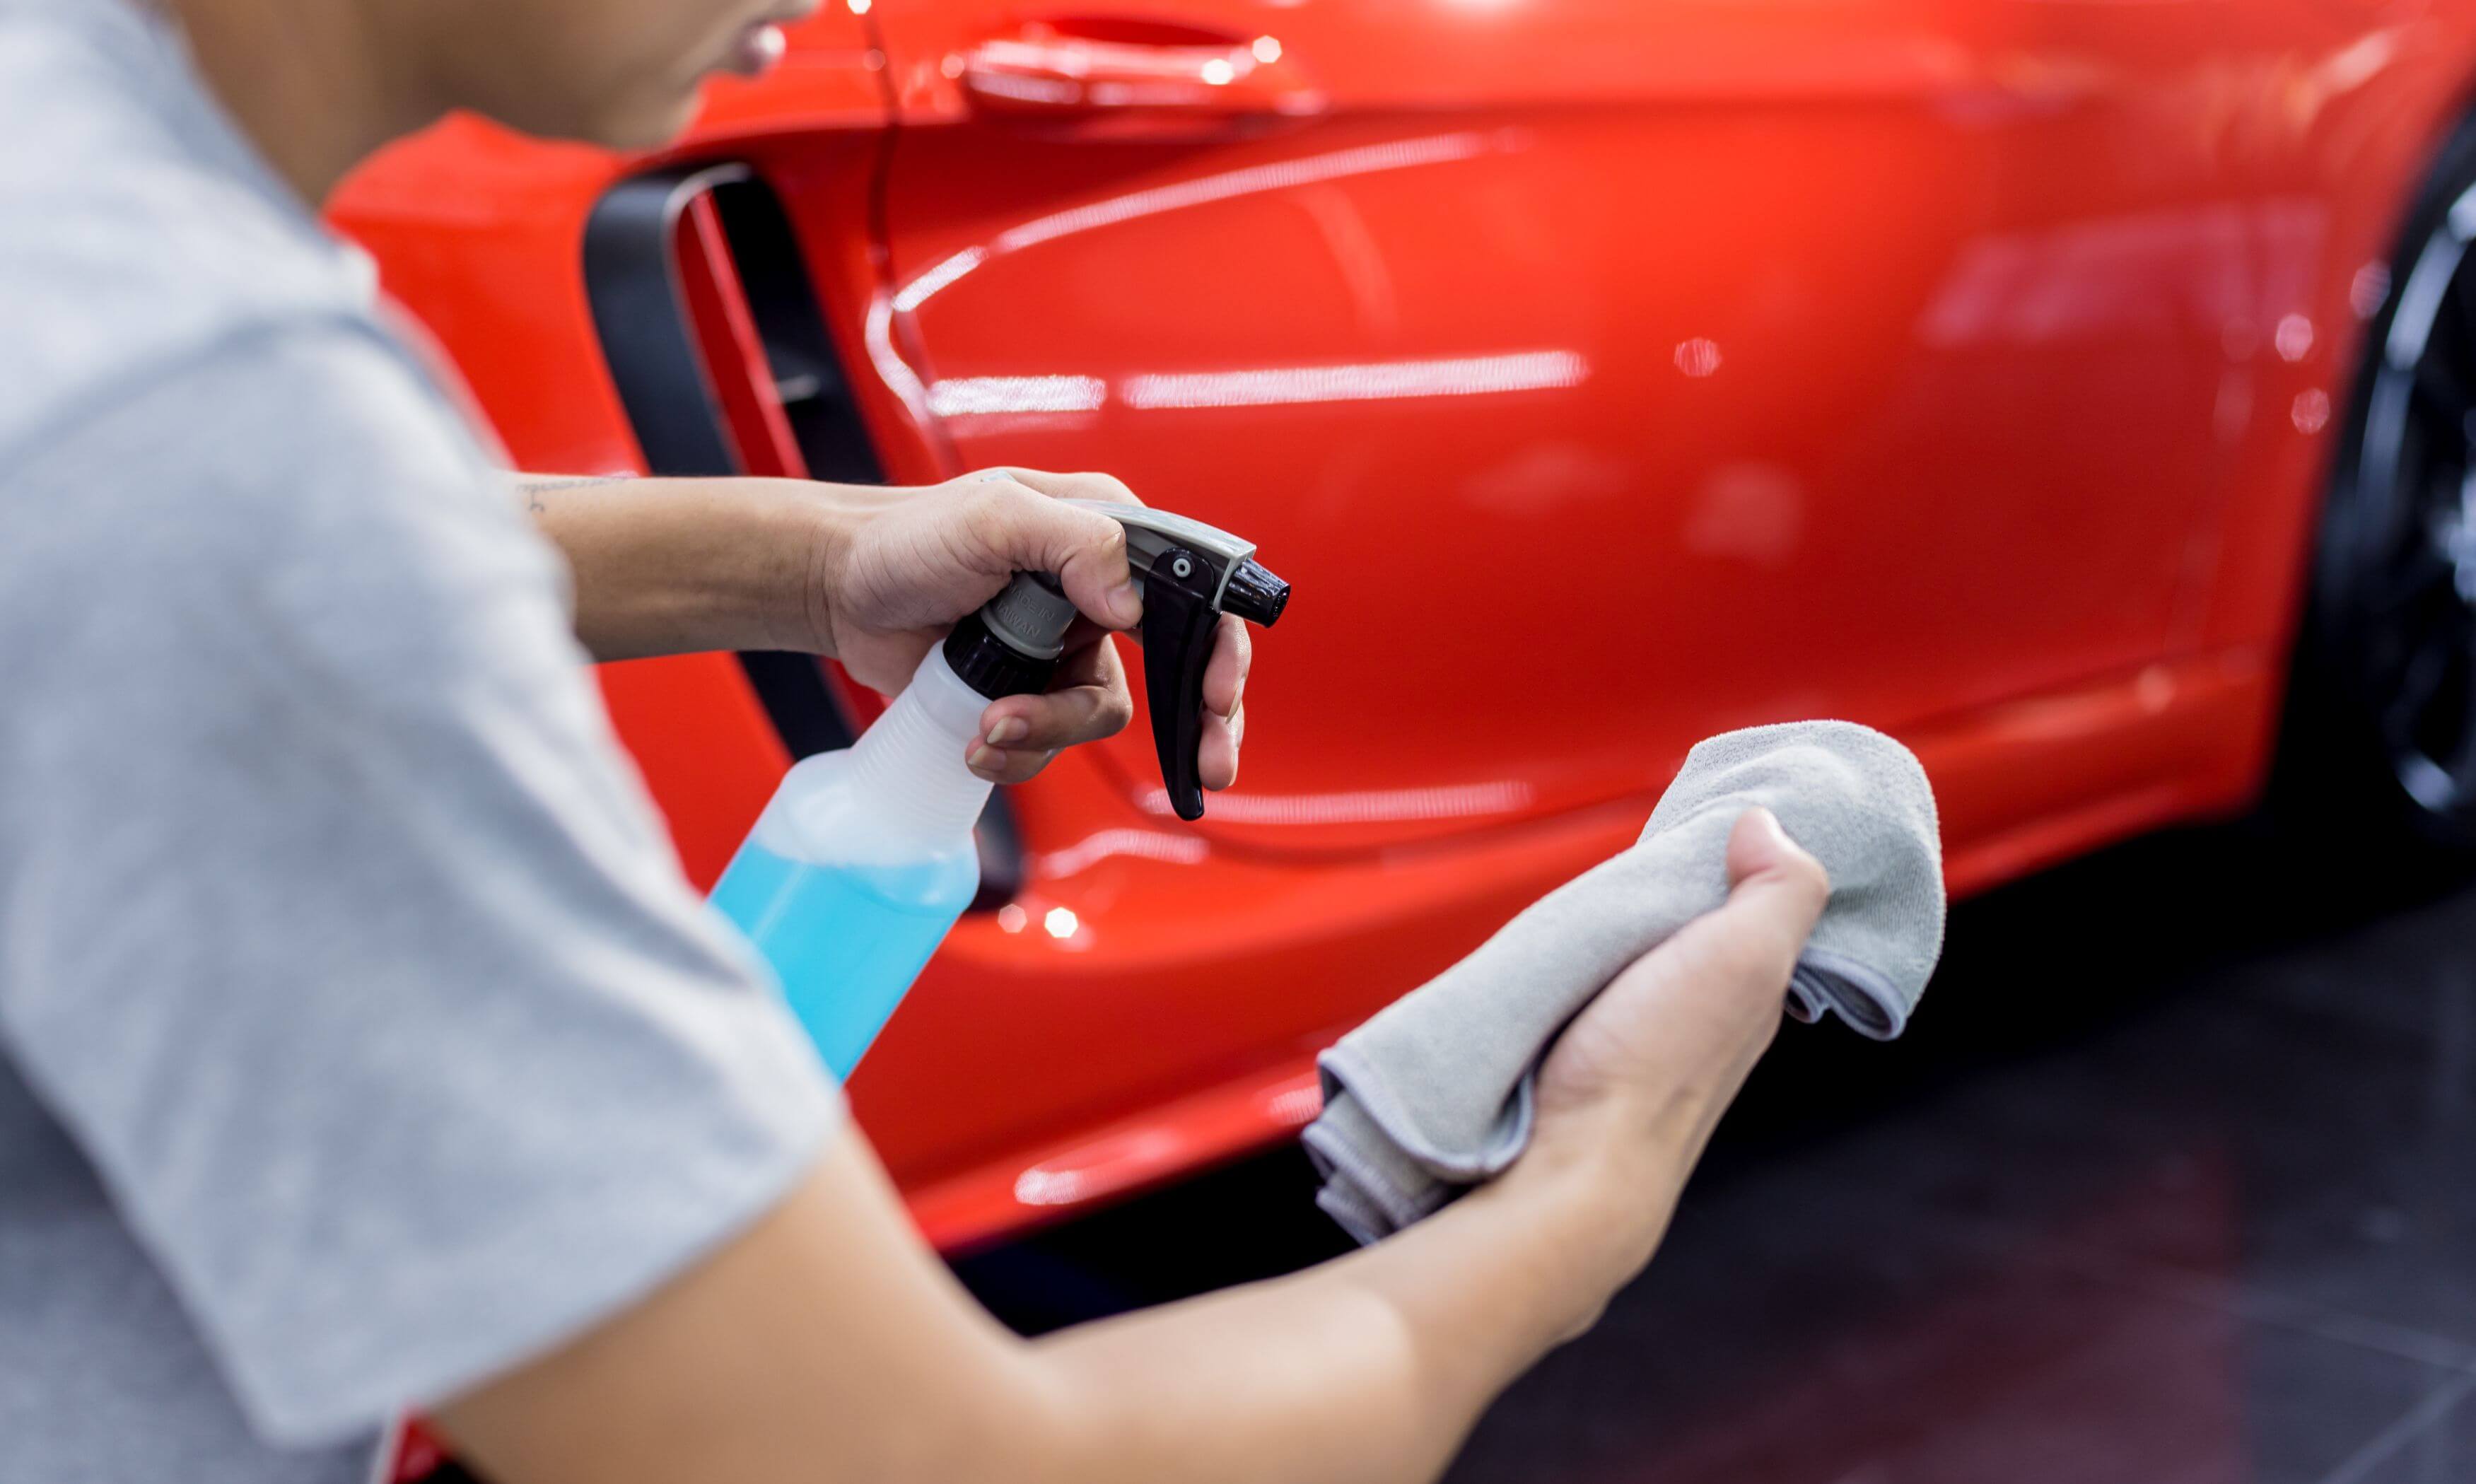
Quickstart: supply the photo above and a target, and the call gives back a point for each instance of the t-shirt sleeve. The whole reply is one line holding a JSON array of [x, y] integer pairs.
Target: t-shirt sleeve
[[333, 923]]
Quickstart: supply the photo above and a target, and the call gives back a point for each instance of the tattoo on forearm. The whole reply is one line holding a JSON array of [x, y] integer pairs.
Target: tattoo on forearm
[[534, 489]]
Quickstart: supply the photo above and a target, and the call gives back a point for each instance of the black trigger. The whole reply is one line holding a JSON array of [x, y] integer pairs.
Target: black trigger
[[1179, 628]]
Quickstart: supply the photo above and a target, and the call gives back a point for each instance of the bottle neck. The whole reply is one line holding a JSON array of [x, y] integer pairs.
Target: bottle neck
[[990, 666], [909, 765]]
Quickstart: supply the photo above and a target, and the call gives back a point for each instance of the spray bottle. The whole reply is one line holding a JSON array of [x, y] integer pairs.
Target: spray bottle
[[864, 858]]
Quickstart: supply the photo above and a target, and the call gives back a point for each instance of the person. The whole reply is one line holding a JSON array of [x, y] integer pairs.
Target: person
[[362, 1048]]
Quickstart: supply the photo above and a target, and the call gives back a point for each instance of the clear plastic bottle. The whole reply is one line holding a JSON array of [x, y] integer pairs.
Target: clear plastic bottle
[[859, 866], [864, 860]]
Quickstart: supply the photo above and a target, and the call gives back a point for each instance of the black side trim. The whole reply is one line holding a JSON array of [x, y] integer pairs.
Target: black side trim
[[808, 375], [648, 338], [641, 313]]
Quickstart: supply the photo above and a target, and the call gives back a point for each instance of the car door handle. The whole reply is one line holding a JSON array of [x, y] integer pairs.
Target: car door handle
[[1059, 69]]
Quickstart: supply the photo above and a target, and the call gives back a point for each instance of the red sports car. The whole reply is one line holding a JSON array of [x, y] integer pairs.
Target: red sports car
[[2035, 380]]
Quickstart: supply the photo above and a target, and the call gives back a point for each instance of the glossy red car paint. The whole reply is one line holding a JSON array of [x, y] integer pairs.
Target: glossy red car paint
[[1602, 375]]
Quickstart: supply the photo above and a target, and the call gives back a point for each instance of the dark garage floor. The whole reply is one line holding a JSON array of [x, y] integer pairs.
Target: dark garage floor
[[2174, 1182]]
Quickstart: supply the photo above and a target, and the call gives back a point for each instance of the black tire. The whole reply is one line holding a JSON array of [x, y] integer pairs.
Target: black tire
[[2379, 745]]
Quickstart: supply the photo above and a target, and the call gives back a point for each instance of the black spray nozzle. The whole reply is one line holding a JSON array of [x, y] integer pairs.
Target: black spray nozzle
[[1191, 573], [1256, 595]]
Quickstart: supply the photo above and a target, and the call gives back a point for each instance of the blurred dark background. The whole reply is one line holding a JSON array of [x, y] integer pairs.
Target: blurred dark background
[[2170, 1182]]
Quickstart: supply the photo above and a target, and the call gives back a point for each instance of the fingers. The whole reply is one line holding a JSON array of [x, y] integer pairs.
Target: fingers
[[1666, 1047], [1225, 677], [1224, 704], [1765, 863], [1776, 893], [1021, 521], [1216, 754], [1019, 528], [1019, 734], [1740, 954]]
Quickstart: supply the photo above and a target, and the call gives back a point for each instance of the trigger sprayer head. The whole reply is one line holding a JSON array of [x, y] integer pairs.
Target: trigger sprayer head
[[1256, 595], [1190, 573]]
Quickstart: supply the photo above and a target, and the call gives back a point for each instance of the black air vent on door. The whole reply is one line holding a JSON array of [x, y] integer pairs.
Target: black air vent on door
[[644, 312]]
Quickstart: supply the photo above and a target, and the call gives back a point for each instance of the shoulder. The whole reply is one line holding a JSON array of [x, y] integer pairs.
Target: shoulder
[[289, 525], [134, 227], [297, 463]]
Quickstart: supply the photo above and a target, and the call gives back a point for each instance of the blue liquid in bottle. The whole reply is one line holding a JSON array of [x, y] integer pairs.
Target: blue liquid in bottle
[[845, 940], [862, 861]]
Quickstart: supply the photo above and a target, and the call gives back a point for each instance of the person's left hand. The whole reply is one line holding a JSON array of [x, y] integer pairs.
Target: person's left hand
[[899, 573]]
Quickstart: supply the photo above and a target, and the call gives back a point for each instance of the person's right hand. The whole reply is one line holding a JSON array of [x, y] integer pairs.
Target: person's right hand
[[894, 569], [1641, 1076]]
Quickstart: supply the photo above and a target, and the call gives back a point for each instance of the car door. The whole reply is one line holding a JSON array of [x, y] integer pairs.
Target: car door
[[1602, 374]]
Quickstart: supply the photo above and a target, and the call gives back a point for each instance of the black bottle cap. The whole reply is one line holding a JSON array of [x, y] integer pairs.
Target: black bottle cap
[[993, 667]]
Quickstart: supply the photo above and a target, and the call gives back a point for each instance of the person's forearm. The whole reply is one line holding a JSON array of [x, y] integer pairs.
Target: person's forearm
[[828, 1341], [681, 566], [1368, 1370], [827, 1344]]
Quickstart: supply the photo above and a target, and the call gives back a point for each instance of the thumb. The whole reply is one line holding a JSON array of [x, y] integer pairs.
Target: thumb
[[1030, 532], [1776, 889]]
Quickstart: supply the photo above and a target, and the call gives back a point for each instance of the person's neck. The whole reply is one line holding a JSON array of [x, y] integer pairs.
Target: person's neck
[[311, 81]]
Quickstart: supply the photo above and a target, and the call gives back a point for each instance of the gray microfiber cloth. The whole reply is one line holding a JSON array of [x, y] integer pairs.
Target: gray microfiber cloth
[[1433, 1095]]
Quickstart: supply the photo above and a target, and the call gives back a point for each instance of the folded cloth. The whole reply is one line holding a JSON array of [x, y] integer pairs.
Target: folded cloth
[[1433, 1095]]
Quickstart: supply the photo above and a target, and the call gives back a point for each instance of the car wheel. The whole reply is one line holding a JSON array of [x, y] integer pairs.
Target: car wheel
[[2380, 743]]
